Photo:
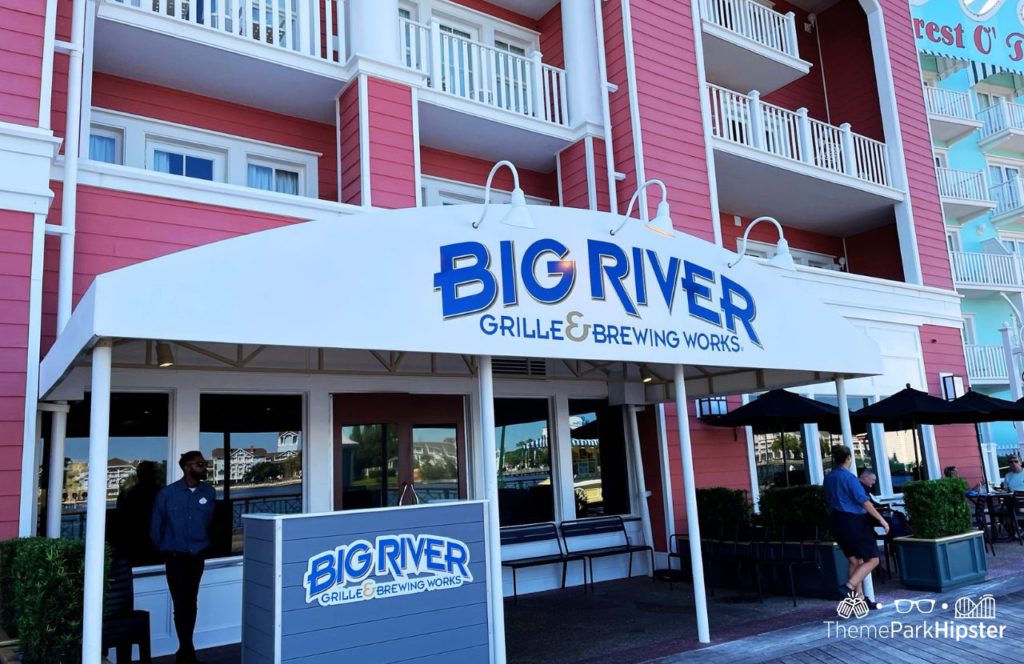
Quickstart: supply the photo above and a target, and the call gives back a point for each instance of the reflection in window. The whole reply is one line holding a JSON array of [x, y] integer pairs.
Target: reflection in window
[[435, 463], [524, 461], [600, 480], [136, 471], [369, 466], [253, 444], [779, 458], [863, 445], [905, 460]]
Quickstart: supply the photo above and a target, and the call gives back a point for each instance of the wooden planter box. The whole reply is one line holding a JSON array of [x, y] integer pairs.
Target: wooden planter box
[[941, 564]]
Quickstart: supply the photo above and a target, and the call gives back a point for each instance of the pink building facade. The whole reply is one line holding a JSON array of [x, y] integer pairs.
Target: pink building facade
[[191, 124]]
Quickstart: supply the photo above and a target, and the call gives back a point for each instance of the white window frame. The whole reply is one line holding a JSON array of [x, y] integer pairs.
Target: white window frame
[[110, 132], [438, 191], [766, 250], [941, 157], [233, 153], [1016, 237], [156, 142], [953, 240], [484, 27], [275, 165], [969, 329]]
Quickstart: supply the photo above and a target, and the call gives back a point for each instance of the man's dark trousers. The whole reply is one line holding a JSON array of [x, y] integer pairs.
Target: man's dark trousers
[[184, 572]]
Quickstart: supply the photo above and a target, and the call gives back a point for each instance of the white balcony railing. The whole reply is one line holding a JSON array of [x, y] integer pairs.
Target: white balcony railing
[[963, 185], [485, 74], [985, 362], [755, 22], [302, 26], [1009, 196], [974, 268], [746, 120], [1003, 115], [948, 103]]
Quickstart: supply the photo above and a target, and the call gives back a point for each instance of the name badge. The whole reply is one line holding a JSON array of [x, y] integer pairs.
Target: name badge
[[202, 501]]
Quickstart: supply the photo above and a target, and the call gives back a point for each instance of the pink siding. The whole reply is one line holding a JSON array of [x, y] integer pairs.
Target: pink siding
[[917, 146], [573, 165], [499, 12], [15, 267], [671, 113], [943, 351], [618, 102], [806, 91], [21, 60], [392, 170], [876, 253], [849, 68], [116, 229], [351, 178], [153, 101], [650, 451], [471, 170], [550, 26], [797, 238]]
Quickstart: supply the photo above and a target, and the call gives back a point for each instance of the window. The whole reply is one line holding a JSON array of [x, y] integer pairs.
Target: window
[[274, 178], [438, 191], [369, 466], [953, 241], [523, 453], [600, 480], [764, 250], [186, 160], [780, 458], [512, 76], [105, 144], [969, 331], [863, 445], [136, 471], [712, 406], [254, 445], [1013, 244], [457, 62], [941, 159]]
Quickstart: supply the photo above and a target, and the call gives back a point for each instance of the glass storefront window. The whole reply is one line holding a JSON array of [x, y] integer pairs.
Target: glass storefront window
[[905, 461], [523, 453], [136, 471], [599, 474], [863, 444], [254, 445], [435, 463], [780, 458], [370, 466]]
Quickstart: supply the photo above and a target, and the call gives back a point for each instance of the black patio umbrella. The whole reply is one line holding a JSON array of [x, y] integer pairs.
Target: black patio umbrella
[[990, 409], [910, 408], [780, 410]]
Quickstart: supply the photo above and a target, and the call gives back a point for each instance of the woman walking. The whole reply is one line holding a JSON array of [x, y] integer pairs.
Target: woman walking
[[852, 521]]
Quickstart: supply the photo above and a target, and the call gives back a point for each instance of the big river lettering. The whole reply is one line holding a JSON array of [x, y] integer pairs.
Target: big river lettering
[[469, 283]]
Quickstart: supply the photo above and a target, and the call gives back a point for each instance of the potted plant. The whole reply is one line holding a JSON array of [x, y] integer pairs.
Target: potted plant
[[944, 551]]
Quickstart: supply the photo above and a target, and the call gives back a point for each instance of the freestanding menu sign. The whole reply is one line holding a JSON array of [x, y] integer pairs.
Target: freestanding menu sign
[[400, 584]]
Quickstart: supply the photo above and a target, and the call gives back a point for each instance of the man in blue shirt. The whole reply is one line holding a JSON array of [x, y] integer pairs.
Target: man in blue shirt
[[852, 521], [180, 529]]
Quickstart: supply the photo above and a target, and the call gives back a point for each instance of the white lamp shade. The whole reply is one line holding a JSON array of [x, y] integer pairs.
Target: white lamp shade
[[782, 257], [519, 215], [662, 222]]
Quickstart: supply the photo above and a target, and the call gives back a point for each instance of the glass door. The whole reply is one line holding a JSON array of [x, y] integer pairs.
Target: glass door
[[398, 449]]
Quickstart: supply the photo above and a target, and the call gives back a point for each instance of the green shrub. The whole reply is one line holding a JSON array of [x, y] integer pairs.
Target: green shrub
[[9, 551], [798, 512], [937, 508], [43, 596], [722, 511]]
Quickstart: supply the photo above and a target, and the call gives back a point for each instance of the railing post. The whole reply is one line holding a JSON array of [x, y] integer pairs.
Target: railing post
[[1004, 114], [305, 28], [756, 120], [540, 101], [803, 125], [849, 153], [790, 36], [435, 54]]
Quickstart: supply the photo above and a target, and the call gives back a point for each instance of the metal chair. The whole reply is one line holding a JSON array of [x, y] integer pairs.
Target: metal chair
[[124, 625]]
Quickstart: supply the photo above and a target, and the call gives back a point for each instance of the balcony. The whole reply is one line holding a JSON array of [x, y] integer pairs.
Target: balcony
[[950, 114], [765, 153], [1009, 199], [986, 365], [964, 194], [748, 46], [237, 50], [987, 273], [1002, 127], [477, 90]]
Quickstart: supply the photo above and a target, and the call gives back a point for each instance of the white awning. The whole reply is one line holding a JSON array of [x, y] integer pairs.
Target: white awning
[[423, 280]]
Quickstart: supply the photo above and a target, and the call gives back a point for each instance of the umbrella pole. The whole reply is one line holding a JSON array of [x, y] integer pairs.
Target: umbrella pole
[[917, 450], [785, 460]]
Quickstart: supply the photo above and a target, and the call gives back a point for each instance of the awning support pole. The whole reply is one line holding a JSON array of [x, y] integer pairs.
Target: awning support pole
[[96, 504], [497, 593], [55, 486], [844, 425], [692, 526], [641, 484]]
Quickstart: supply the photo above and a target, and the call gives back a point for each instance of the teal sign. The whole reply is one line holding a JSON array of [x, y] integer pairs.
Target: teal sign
[[989, 31]]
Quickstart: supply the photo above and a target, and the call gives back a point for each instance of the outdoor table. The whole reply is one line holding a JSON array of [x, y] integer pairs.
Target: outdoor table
[[995, 507]]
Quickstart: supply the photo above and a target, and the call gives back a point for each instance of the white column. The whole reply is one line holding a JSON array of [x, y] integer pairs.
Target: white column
[[638, 468], [55, 488], [582, 64], [690, 492], [931, 452], [490, 471], [812, 448], [373, 29], [844, 412], [561, 460], [1013, 374], [96, 504], [320, 447], [756, 121]]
